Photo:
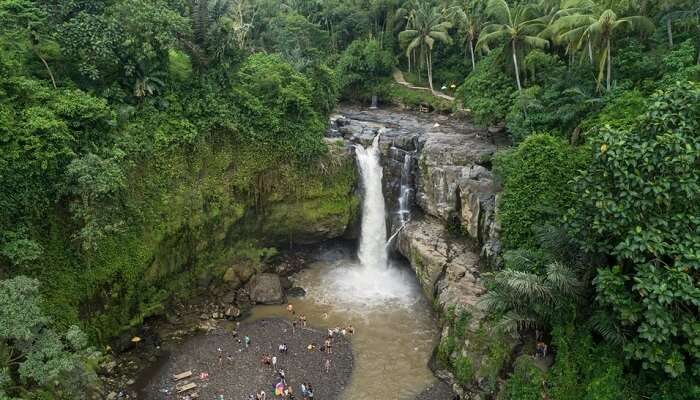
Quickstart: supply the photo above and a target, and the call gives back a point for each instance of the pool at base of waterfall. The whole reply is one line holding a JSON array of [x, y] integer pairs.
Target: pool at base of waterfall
[[395, 330]]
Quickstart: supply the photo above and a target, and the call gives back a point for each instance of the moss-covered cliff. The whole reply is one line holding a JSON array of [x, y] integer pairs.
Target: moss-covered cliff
[[193, 212]]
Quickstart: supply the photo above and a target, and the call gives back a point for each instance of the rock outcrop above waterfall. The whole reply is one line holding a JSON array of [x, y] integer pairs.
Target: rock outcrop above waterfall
[[456, 186]]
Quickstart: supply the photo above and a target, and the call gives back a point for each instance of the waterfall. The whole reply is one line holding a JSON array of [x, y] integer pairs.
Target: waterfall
[[375, 283], [405, 189], [372, 251]]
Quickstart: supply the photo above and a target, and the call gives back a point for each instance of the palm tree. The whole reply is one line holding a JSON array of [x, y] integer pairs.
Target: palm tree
[[149, 81], [555, 10], [217, 27], [519, 26], [524, 299], [428, 26], [598, 28], [468, 19], [688, 15]]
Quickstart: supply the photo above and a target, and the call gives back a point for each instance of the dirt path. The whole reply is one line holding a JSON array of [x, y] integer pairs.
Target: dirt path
[[240, 372], [399, 78]]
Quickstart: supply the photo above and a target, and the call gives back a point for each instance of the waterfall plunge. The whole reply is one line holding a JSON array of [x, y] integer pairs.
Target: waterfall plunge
[[372, 251], [375, 283]]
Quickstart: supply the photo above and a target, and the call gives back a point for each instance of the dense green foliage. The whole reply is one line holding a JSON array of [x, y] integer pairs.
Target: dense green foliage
[[361, 68], [635, 203], [610, 207], [136, 139], [33, 353], [535, 179]]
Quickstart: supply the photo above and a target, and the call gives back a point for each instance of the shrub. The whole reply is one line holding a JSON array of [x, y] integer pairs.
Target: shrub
[[524, 383], [636, 203], [487, 92], [536, 187], [463, 370]]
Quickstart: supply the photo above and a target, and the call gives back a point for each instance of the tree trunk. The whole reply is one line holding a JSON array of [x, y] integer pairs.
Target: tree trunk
[[46, 65], [515, 64], [429, 61], [609, 64], [669, 32], [471, 50]]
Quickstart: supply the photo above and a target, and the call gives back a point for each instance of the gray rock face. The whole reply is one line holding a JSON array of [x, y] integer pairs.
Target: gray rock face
[[447, 269], [265, 289], [452, 175]]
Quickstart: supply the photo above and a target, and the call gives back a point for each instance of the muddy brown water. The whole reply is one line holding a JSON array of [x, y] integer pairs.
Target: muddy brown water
[[393, 340]]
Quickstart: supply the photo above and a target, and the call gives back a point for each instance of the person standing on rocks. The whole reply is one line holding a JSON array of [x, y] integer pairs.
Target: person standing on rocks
[[274, 362], [247, 341], [328, 365]]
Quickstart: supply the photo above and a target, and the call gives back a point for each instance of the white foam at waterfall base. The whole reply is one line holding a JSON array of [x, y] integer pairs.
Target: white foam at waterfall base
[[373, 283]]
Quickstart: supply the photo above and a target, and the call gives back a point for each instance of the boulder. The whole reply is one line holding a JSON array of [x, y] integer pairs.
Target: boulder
[[265, 289], [232, 312], [231, 277], [245, 272]]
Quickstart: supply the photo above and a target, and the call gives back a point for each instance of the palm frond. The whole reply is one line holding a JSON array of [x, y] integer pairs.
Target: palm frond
[[607, 327]]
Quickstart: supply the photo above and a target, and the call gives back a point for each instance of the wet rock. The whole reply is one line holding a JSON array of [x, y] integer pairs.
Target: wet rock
[[107, 368], [203, 316], [232, 312], [290, 265], [296, 292], [112, 396], [350, 131], [242, 297], [265, 289], [245, 272]]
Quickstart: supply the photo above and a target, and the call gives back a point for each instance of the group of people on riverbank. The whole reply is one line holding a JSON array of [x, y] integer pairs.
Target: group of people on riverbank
[[280, 388]]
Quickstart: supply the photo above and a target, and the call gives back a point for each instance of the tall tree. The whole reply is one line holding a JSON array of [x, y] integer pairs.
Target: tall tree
[[599, 28], [468, 18], [428, 26], [518, 26]]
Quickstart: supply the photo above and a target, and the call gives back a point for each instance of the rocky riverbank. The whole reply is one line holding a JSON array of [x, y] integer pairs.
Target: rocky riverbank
[[236, 371]]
